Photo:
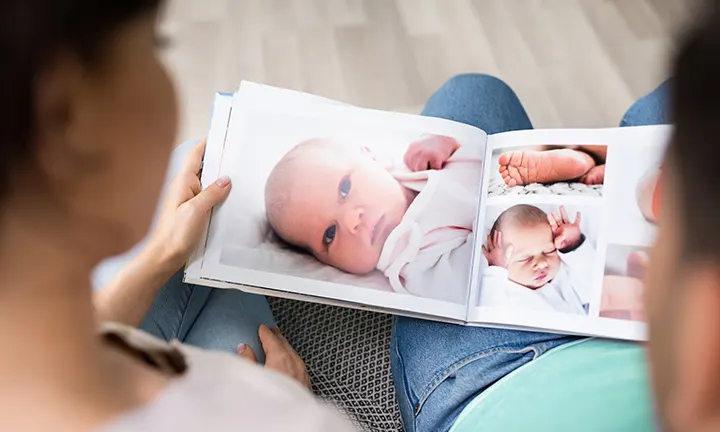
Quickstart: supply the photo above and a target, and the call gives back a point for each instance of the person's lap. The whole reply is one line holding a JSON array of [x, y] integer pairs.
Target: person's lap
[[439, 368], [209, 318]]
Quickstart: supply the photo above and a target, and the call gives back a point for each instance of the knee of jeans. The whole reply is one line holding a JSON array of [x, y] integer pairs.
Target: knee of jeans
[[472, 82]]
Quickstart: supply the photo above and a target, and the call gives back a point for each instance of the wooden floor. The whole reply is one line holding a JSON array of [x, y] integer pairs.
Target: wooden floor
[[572, 62]]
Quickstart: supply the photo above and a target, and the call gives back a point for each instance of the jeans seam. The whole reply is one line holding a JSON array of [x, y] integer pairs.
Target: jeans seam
[[184, 313], [445, 373], [406, 387]]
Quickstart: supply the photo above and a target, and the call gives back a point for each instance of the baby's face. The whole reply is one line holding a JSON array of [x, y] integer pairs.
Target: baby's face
[[535, 261], [342, 207]]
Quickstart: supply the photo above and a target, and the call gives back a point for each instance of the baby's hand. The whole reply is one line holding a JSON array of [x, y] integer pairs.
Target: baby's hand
[[495, 253], [567, 235], [431, 152]]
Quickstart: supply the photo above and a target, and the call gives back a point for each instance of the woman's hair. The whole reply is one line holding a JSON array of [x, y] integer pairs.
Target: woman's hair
[[32, 33], [694, 149]]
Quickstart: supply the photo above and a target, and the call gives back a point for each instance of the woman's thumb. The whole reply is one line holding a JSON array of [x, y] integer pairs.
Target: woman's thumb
[[246, 352], [214, 194]]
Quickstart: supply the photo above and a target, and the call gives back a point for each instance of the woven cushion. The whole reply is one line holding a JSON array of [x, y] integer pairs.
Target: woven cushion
[[347, 356]]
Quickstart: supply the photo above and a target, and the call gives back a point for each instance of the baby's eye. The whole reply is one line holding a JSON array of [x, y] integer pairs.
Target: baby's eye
[[329, 235], [550, 252], [344, 187]]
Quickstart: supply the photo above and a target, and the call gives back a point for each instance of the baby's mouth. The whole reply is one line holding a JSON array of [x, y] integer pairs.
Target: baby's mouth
[[377, 229], [541, 277]]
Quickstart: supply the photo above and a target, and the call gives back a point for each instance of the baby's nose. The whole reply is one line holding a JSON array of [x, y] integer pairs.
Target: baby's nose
[[541, 264], [354, 219]]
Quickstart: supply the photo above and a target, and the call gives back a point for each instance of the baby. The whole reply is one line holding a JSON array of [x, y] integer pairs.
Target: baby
[[357, 214], [537, 261], [549, 164]]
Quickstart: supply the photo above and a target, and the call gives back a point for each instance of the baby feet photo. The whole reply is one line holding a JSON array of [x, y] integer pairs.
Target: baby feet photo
[[549, 170]]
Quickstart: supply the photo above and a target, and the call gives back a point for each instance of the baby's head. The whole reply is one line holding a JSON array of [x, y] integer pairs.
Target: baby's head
[[534, 261], [336, 202]]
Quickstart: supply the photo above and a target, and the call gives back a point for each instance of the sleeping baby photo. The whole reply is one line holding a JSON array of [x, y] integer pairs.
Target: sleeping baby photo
[[373, 209], [539, 257]]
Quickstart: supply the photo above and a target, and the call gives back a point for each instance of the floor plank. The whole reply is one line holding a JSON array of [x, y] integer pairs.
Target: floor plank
[[573, 63]]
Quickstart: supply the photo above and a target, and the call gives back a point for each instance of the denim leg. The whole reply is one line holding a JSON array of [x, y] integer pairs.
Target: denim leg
[[479, 100], [209, 318], [651, 109], [230, 317], [174, 309], [439, 368]]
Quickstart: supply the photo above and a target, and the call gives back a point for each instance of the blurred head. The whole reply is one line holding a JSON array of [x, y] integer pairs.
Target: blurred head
[[335, 202], [683, 283], [87, 121], [534, 262]]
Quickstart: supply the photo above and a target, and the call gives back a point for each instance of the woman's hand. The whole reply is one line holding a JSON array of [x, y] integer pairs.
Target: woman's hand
[[185, 211], [279, 355], [129, 295]]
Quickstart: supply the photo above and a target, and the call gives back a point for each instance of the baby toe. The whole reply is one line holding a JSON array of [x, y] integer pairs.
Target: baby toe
[[504, 158]]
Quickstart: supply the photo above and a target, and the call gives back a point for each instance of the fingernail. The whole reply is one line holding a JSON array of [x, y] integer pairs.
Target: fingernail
[[241, 348], [223, 181]]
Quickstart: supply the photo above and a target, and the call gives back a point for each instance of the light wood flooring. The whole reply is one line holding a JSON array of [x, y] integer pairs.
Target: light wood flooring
[[573, 63]]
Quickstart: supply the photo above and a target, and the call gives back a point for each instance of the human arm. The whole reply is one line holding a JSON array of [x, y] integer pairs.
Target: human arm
[[431, 152], [128, 296], [577, 266]]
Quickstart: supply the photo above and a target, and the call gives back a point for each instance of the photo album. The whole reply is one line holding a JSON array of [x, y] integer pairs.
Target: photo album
[[544, 230]]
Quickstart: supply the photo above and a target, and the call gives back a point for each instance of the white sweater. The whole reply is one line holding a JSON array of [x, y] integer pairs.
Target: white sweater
[[429, 253], [217, 391]]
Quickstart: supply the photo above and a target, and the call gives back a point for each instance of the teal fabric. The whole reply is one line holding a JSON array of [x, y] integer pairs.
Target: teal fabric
[[592, 385]]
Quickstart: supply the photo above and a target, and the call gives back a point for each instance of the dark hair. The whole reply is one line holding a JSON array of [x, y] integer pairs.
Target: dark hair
[[32, 32], [694, 150], [521, 214]]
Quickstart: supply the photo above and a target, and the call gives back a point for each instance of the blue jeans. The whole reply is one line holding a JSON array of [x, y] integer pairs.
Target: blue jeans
[[439, 368], [210, 318]]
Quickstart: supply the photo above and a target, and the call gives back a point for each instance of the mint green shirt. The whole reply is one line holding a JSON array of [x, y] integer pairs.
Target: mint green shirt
[[592, 385]]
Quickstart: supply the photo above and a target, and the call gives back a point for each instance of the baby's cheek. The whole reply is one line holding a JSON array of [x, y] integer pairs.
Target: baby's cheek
[[554, 264], [517, 273]]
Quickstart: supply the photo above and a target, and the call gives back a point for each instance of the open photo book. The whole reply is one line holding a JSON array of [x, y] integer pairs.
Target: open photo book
[[544, 230]]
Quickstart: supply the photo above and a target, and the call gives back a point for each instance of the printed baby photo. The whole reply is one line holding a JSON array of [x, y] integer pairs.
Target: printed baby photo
[[622, 288], [380, 209], [539, 257], [633, 188], [548, 170]]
